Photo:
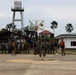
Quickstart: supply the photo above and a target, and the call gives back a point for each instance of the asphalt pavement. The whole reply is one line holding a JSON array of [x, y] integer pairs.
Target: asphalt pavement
[[22, 64]]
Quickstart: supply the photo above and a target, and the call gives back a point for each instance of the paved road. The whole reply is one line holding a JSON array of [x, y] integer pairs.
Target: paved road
[[34, 65]]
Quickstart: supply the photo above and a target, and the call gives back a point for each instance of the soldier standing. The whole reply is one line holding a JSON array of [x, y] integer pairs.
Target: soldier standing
[[14, 50], [35, 47], [3, 47], [9, 47], [42, 49], [52, 47], [56, 47]]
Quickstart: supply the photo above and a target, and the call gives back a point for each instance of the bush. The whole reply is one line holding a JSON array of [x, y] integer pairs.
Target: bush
[[48, 38]]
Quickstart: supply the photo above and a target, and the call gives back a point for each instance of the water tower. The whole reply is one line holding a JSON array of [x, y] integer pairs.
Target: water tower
[[17, 8]]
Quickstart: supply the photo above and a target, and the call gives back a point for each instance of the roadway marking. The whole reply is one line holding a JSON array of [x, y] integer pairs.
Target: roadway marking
[[32, 60], [19, 60]]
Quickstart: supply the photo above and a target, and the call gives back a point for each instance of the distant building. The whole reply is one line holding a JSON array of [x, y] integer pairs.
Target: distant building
[[46, 33], [7, 35], [69, 39]]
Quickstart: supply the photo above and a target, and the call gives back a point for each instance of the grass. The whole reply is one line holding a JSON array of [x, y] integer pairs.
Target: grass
[[71, 50]]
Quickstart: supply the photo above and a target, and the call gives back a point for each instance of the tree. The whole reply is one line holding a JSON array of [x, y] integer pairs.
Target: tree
[[69, 28], [3, 30], [26, 30], [9, 27], [54, 25], [19, 32]]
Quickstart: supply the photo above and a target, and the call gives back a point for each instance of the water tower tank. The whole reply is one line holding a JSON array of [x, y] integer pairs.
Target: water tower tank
[[17, 4]]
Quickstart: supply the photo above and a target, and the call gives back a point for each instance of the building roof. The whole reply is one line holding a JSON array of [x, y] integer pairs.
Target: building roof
[[7, 34], [66, 35], [45, 32]]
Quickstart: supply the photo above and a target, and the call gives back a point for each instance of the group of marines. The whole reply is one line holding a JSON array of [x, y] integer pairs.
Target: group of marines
[[39, 47]]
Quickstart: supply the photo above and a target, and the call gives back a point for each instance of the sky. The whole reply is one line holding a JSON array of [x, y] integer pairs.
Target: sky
[[61, 11]]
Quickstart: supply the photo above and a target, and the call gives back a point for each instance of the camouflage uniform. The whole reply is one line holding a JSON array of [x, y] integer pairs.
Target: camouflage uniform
[[42, 49]]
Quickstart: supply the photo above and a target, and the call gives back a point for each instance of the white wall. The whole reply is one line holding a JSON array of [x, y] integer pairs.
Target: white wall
[[68, 42]]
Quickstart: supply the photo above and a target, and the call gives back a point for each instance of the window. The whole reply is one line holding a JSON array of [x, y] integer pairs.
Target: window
[[73, 43]]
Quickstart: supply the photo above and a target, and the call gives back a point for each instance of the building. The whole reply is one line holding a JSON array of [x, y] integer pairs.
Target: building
[[46, 33], [69, 39], [7, 35]]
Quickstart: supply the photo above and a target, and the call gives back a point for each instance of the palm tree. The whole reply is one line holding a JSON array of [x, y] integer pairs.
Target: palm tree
[[54, 25], [69, 28]]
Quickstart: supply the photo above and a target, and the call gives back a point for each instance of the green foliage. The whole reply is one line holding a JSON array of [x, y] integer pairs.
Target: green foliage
[[48, 38]]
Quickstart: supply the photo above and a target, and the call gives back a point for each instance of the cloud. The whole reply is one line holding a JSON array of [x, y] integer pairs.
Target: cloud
[[62, 11], [5, 15], [59, 13]]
